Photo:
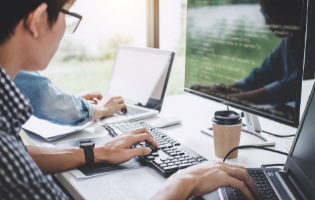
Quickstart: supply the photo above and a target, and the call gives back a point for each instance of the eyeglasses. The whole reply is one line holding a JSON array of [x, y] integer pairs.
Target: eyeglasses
[[72, 21]]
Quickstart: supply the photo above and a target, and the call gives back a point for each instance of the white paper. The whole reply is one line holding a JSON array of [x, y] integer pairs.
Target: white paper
[[137, 184], [48, 130]]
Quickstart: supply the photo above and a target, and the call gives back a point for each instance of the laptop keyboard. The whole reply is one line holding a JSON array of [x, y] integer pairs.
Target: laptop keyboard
[[132, 111], [170, 157], [263, 185]]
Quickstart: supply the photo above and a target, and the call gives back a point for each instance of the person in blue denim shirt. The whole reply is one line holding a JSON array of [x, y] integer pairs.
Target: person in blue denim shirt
[[275, 81], [52, 104], [276, 78]]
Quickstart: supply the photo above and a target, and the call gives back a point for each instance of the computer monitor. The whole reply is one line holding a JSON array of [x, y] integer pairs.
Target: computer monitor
[[248, 54]]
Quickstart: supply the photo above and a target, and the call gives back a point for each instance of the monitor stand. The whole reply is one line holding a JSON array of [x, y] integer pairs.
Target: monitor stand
[[252, 127]]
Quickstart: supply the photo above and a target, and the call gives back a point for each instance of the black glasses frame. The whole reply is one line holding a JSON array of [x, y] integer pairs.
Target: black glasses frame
[[76, 15]]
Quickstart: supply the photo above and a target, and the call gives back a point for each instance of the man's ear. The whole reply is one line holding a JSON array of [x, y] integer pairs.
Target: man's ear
[[34, 18]]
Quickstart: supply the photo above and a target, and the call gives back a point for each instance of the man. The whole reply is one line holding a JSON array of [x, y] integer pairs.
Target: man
[[52, 104], [29, 36], [275, 81]]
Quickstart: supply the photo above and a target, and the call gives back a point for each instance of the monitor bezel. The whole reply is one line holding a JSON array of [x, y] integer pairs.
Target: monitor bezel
[[150, 50], [295, 121], [291, 166]]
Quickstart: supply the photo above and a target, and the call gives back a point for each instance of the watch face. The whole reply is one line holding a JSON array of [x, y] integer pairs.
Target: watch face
[[86, 143]]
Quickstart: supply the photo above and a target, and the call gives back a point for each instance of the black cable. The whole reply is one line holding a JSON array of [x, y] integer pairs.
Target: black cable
[[271, 165], [253, 147], [276, 135]]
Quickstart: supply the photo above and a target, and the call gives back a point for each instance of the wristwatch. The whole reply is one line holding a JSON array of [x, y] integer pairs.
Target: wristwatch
[[87, 146]]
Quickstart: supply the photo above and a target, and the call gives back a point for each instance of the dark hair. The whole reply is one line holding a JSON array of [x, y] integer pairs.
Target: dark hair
[[12, 11]]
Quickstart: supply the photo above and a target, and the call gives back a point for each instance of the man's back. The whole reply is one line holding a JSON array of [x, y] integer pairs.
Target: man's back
[[20, 176]]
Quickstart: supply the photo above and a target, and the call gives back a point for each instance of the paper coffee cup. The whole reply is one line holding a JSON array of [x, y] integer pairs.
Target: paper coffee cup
[[227, 128]]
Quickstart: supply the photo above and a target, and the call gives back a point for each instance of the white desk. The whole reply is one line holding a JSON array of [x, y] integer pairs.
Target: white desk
[[197, 113]]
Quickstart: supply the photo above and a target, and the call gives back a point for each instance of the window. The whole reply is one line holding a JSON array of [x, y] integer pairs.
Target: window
[[173, 38], [84, 59]]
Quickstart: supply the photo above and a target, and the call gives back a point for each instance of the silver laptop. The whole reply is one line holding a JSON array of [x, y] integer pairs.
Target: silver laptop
[[140, 77]]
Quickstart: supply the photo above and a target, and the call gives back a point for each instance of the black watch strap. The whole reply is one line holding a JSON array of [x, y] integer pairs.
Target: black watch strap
[[89, 155]]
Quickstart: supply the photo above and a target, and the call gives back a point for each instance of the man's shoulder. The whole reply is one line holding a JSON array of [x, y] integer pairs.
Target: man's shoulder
[[23, 75]]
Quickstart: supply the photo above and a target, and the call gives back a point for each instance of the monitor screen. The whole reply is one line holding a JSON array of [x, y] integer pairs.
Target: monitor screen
[[247, 54], [304, 148], [140, 76]]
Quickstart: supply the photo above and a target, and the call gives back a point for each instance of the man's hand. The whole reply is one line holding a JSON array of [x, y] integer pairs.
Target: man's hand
[[118, 150], [206, 178], [91, 96], [112, 105]]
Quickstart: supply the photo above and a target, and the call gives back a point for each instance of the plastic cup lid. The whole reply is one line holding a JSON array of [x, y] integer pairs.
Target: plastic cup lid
[[227, 117]]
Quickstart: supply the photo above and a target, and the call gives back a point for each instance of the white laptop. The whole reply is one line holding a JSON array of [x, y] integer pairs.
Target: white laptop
[[140, 77]]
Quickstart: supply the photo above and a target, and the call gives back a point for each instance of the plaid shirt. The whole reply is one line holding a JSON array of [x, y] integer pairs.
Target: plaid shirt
[[20, 177]]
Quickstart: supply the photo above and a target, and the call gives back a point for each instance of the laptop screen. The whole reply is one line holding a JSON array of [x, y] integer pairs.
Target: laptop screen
[[303, 152], [140, 76]]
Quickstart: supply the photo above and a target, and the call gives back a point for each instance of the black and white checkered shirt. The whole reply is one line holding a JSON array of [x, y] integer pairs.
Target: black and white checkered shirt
[[20, 177]]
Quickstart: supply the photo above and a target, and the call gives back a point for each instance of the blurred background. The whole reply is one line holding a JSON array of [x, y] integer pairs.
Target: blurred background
[[85, 59]]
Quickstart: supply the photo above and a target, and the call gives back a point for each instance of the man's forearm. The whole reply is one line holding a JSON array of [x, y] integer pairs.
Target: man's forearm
[[260, 96], [54, 160], [175, 187]]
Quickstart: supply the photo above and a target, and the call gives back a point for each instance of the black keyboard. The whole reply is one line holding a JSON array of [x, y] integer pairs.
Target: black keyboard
[[131, 111], [170, 157], [263, 185]]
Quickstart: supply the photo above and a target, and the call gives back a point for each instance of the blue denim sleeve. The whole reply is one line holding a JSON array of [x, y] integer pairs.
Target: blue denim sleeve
[[52, 104], [277, 74], [283, 91], [265, 74]]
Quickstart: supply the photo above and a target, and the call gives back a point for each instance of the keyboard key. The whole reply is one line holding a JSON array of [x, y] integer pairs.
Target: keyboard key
[[178, 163], [164, 159], [158, 161], [178, 157], [162, 146], [150, 158], [181, 153], [170, 164], [163, 165], [183, 166], [173, 154], [169, 145], [163, 136], [118, 132], [195, 163], [176, 144], [155, 154]]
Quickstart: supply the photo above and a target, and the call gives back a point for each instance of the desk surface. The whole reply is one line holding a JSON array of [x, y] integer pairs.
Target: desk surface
[[196, 113]]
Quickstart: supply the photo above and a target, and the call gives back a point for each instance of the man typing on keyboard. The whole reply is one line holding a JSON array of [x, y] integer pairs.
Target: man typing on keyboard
[[30, 34]]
